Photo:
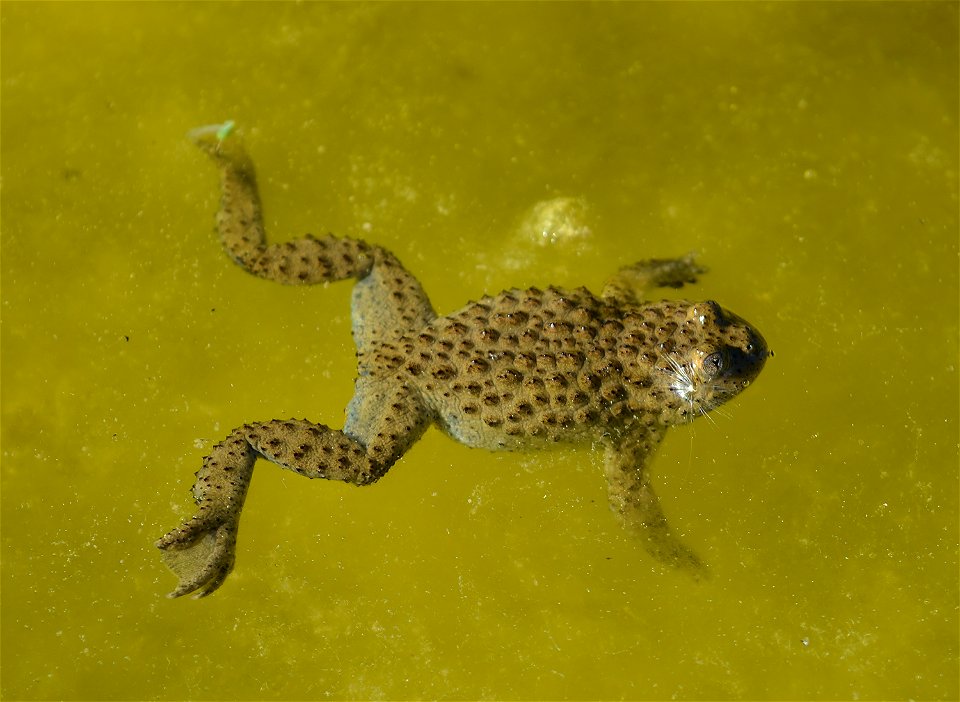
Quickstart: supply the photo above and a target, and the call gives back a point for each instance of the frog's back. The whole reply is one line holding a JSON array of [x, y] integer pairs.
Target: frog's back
[[515, 369]]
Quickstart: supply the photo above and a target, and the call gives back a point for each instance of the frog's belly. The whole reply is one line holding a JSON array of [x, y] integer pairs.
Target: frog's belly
[[473, 432], [476, 433]]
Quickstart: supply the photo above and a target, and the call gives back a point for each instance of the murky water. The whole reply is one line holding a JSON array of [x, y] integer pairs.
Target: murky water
[[807, 153]]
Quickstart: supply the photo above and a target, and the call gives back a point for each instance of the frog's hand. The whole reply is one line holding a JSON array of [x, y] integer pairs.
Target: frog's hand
[[633, 500], [632, 283], [200, 554]]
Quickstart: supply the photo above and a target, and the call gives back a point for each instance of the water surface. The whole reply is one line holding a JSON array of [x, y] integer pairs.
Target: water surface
[[806, 152]]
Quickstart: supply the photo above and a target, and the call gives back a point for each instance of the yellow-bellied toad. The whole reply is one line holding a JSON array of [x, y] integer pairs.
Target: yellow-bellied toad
[[518, 370]]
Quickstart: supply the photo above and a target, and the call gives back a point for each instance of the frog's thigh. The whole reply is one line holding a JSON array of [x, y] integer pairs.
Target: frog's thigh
[[386, 302], [386, 416]]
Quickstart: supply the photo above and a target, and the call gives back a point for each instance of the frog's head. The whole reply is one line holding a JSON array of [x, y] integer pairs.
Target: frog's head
[[704, 356]]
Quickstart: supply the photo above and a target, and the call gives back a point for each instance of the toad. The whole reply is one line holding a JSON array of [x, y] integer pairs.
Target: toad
[[524, 369]]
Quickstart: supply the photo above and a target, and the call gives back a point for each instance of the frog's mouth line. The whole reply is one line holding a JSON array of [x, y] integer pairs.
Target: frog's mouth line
[[702, 393]]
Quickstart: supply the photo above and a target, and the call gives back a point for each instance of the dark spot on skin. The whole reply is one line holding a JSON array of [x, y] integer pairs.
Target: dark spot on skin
[[510, 376], [444, 372], [477, 366]]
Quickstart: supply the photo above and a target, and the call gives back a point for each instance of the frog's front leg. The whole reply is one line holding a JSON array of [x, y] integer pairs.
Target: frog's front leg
[[201, 551], [631, 283], [636, 504]]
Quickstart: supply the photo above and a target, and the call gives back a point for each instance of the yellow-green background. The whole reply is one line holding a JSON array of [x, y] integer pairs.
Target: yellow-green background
[[807, 152]]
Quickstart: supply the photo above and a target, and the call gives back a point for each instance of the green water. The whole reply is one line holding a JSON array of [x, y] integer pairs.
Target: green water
[[807, 152]]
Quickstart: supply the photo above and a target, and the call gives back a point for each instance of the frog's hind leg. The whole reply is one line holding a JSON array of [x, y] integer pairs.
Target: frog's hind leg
[[240, 225], [631, 283], [387, 302], [387, 299], [201, 551], [303, 261]]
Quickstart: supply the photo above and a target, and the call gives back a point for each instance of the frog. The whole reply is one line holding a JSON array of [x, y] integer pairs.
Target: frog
[[525, 369]]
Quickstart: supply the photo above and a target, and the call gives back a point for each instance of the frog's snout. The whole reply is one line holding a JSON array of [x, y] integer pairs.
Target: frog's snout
[[748, 358]]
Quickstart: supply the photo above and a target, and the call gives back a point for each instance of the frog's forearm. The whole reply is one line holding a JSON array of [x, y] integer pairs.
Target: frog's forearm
[[634, 501]]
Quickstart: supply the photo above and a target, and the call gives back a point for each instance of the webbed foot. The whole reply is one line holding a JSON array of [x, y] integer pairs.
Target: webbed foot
[[200, 553]]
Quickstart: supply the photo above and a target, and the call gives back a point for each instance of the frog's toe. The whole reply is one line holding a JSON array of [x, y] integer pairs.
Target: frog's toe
[[211, 133], [201, 563], [187, 533], [216, 142]]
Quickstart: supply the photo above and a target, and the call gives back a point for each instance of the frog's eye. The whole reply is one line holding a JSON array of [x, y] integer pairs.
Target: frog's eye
[[713, 364]]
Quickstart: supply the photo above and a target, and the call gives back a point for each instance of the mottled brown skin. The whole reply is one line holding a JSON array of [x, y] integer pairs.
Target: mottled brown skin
[[519, 370]]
